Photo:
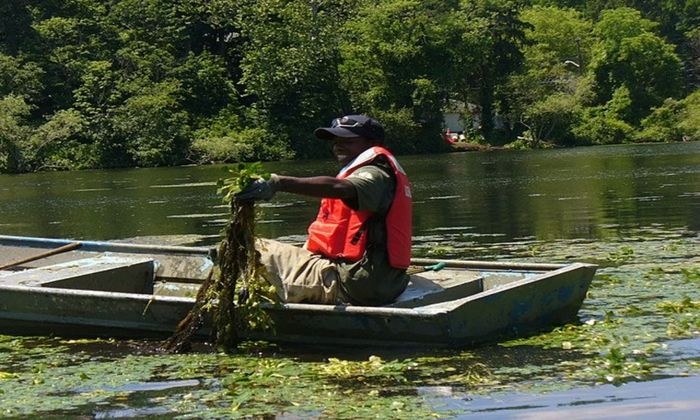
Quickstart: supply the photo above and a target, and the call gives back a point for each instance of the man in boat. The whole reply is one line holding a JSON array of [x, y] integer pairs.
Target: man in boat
[[359, 246]]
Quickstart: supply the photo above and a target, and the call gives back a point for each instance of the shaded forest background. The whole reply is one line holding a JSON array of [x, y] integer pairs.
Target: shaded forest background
[[121, 83]]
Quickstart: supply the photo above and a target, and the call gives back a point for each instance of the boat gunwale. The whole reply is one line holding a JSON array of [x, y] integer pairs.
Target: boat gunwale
[[496, 265], [420, 311], [452, 304], [151, 298], [48, 290], [106, 246], [127, 247], [541, 271]]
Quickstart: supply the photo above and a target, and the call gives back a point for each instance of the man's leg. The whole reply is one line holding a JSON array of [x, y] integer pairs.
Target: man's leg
[[297, 274]]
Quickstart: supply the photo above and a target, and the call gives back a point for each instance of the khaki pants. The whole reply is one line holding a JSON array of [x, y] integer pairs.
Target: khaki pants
[[298, 275]]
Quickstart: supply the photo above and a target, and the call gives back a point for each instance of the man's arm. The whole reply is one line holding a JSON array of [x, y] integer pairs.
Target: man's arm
[[316, 186]]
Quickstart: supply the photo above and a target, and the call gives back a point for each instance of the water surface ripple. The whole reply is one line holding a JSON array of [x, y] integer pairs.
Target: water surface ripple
[[633, 210]]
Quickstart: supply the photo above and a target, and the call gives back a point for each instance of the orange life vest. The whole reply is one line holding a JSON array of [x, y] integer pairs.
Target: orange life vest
[[339, 232]]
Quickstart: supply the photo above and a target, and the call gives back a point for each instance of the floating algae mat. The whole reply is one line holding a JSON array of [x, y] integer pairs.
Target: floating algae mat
[[640, 323]]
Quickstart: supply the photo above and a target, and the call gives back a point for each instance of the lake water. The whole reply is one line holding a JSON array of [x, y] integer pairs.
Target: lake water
[[634, 210]]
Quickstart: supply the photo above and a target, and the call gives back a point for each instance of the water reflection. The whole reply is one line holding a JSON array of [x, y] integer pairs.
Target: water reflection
[[664, 398], [633, 210], [586, 193]]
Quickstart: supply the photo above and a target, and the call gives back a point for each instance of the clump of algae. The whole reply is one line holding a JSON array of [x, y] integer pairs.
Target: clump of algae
[[234, 291]]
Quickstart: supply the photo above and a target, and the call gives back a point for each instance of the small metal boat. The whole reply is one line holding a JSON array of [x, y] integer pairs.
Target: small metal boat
[[114, 289]]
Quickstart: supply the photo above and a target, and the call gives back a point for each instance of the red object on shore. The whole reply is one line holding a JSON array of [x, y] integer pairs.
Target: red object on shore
[[448, 137]]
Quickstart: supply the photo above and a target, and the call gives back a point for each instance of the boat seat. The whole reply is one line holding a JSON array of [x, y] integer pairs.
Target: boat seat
[[434, 287], [102, 273]]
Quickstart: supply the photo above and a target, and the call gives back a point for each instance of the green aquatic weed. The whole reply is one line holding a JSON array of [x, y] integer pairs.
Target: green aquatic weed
[[589, 336], [65, 379], [631, 310], [690, 274], [251, 288], [374, 367], [607, 278], [535, 250], [240, 176], [440, 250], [616, 364], [672, 247], [8, 375], [474, 374], [232, 293], [679, 307], [684, 327], [655, 272], [464, 369], [622, 255]]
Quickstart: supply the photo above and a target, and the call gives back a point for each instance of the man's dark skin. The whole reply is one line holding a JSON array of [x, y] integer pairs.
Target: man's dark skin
[[371, 280], [345, 150]]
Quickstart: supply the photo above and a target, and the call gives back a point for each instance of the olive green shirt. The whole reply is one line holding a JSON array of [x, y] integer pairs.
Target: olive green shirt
[[372, 281]]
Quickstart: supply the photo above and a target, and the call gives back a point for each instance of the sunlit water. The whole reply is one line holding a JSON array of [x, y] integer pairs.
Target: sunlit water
[[634, 210]]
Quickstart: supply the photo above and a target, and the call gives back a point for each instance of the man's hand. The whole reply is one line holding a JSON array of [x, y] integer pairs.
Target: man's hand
[[259, 190]]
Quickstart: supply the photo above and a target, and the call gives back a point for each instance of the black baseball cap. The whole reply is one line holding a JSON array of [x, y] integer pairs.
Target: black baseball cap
[[352, 126]]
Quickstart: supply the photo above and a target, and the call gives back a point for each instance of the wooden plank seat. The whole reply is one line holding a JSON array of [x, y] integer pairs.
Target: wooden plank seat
[[101, 273], [442, 286]]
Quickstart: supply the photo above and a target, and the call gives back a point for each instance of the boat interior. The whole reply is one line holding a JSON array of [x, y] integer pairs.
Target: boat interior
[[141, 271]]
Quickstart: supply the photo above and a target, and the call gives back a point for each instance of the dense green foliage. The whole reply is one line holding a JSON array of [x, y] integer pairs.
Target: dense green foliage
[[87, 83]]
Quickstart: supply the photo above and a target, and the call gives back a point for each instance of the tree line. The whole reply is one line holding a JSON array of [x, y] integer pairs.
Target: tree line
[[121, 83]]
